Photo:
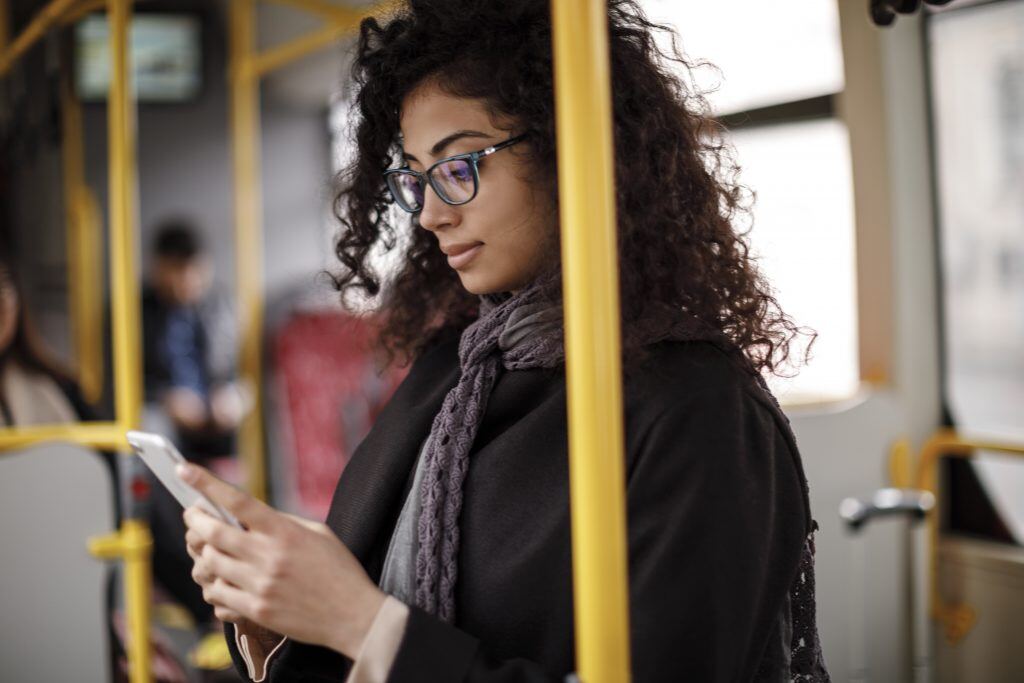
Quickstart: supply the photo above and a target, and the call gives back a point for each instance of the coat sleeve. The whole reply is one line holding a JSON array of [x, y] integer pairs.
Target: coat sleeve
[[716, 525]]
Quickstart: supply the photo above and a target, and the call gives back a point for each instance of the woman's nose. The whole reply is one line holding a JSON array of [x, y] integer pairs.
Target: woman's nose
[[435, 214]]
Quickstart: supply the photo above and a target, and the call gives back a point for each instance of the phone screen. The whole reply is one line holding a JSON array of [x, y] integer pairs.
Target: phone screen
[[162, 458]]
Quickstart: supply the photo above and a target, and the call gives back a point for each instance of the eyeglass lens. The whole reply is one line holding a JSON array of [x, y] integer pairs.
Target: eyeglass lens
[[453, 180], [407, 189]]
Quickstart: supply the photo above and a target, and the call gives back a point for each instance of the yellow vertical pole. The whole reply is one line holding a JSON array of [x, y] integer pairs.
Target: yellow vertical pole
[[122, 180], [137, 549], [5, 25], [83, 249], [245, 126], [124, 292], [593, 361]]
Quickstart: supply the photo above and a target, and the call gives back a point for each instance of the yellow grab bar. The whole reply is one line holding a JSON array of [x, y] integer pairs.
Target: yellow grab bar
[[593, 361], [83, 250], [957, 619], [105, 435], [124, 292], [124, 284], [37, 28], [133, 545], [245, 150]]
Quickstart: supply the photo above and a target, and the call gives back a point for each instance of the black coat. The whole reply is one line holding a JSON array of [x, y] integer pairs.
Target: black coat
[[717, 516]]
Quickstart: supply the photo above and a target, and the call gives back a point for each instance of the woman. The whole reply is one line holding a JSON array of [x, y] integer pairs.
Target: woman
[[453, 516], [34, 388]]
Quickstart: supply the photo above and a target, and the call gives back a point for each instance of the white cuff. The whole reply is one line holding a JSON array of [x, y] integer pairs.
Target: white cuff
[[377, 654]]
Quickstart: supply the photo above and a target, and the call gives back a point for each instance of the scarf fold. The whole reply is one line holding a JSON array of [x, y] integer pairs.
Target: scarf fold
[[454, 429]]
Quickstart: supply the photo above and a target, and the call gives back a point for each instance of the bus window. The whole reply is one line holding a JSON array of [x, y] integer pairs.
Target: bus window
[[794, 155], [977, 64]]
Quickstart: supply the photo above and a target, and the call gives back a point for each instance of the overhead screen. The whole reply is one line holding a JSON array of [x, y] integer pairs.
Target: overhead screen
[[166, 57]]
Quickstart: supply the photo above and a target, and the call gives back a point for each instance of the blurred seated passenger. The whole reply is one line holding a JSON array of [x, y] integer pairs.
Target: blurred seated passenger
[[34, 388], [188, 345]]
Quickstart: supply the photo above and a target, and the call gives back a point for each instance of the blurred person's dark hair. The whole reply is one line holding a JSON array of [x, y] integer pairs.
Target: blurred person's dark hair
[[177, 240], [25, 345]]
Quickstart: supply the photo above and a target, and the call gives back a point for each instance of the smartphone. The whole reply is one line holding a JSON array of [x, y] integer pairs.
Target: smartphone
[[162, 458]]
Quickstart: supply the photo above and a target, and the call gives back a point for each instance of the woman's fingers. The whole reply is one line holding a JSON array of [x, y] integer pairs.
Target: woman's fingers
[[207, 529], [228, 615], [221, 611], [201, 575], [222, 594], [226, 568], [252, 513], [194, 544]]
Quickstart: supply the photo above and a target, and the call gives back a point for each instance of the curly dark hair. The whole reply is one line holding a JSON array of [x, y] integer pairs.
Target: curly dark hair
[[681, 244]]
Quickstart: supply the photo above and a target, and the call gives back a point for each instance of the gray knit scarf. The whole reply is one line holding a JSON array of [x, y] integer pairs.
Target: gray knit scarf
[[519, 332]]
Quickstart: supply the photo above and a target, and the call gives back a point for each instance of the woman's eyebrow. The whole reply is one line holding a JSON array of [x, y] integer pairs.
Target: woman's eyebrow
[[449, 139]]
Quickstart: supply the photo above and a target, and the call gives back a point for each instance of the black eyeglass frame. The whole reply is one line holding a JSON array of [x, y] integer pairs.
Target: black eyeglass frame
[[426, 177]]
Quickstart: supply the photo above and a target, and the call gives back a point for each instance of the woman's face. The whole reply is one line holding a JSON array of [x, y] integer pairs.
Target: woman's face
[[9, 308], [506, 235]]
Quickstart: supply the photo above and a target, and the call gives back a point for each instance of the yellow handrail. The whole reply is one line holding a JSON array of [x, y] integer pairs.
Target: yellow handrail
[[103, 435], [83, 250], [336, 14], [340, 20], [286, 53], [593, 364], [245, 148], [37, 28], [957, 619], [5, 26], [124, 292], [124, 283], [84, 7], [133, 545]]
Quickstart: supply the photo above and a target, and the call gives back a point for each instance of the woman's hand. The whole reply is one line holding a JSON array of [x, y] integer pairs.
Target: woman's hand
[[194, 544], [286, 574]]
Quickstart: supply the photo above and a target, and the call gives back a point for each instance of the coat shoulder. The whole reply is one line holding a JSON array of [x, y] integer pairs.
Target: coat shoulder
[[681, 373], [696, 390]]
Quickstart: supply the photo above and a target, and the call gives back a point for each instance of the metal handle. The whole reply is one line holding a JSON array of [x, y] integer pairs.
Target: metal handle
[[914, 503]]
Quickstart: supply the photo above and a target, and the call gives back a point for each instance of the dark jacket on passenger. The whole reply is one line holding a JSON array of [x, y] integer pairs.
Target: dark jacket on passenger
[[196, 352], [717, 517]]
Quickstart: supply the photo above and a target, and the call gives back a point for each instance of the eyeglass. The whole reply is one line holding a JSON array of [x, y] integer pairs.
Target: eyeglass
[[455, 179]]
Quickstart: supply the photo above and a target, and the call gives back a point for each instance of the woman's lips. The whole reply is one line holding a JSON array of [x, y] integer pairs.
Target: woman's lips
[[459, 255]]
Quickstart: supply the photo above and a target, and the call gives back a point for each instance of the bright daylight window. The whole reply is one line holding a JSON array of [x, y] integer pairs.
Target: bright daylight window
[[977, 60], [778, 66]]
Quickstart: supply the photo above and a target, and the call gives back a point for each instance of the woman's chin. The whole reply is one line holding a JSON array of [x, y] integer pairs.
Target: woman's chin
[[476, 285], [480, 284]]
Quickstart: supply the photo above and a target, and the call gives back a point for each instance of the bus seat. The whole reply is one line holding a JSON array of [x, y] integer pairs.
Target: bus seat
[[989, 578], [326, 393], [53, 606]]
